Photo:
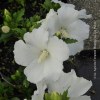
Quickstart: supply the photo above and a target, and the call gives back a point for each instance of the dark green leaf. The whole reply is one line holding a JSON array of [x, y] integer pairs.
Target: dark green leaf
[[69, 41]]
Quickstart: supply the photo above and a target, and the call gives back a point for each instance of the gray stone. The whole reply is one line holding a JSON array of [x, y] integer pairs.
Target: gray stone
[[92, 7]]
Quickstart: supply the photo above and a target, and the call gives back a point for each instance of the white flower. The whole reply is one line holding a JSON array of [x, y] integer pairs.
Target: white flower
[[71, 81], [76, 86], [43, 56], [66, 22]]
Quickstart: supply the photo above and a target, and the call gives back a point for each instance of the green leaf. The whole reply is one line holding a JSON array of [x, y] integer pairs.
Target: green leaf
[[25, 83], [18, 16], [65, 95], [69, 41], [52, 96], [5, 37], [22, 2], [50, 5], [15, 98]]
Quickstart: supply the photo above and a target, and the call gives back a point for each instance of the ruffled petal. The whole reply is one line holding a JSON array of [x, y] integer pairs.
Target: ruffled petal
[[82, 14], [58, 49], [51, 23], [67, 15], [34, 72], [38, 38], [76, 86], [39, 93], [24, 54], [76, 47], [78, 30], [60, 85], [52, 66], [79, 87], [81, 98], [37, 96]]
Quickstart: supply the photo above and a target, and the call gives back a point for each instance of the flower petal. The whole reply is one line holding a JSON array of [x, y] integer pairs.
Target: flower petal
[[67, 15], [34, 72], [24, 54], [37, 96], [52, 66], [51, 23], [58, 49], [60, 85], [79, 87], [78, 30], [38, 37], [81, 98], [39, 93], [76, 47], [82, 14], [76, 86]]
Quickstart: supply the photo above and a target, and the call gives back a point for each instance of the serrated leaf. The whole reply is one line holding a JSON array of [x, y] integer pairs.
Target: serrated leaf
[[50, 5], [65, 95], [69, 41], [52, 96], [18, 16]]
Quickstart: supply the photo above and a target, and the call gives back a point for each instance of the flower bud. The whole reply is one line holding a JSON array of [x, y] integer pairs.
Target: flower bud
[[5, 29], [6, 12], [8, 18]]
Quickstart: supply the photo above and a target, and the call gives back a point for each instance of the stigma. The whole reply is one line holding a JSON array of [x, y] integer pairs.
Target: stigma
[[43, 56]]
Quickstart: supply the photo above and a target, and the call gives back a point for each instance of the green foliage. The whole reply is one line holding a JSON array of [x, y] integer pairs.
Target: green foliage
[[18, 24], [48, 4], [18, 16], [11, 87], [21, 2], [69, 41], [56, 96]]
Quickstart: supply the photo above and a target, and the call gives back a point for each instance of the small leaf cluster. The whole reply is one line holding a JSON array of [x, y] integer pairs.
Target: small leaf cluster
[[15, 87], [48, 4], [17, 24], [56, 96]]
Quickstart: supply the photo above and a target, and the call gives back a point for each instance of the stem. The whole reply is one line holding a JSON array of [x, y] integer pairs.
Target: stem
[[6, 80]]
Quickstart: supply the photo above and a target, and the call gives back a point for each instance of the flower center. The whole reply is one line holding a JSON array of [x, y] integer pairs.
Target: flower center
[[63, 33], [43, 56]]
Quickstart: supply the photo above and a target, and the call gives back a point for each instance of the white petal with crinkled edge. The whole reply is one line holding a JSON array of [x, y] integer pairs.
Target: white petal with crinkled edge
[[82, 14], [76, 86], [78, 30], [38, 37], [58, 49], [79, 87], [34, 72], [24, 54], [51, 23], [52, 66], [60, 85], [67, 15], [37, 96], [39, 93], [76, 47], [81, 98]]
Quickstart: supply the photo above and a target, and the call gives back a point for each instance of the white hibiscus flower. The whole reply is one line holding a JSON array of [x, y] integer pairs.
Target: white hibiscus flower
[[43, 56], [66, 22], [76, 86]]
